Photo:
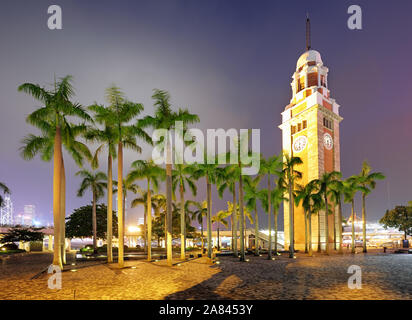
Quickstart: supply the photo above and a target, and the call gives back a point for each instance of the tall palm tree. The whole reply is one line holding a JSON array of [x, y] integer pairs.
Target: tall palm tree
[[252, 194], [56, 131], [124, 112], [96, 182], [198, 214], [324, 184], [288, 181], [211, 173], [269, 167], [316, 205], [304, 195], [5, 190], [165, 118], [182, 177], [368, 182], [350, 187], [106, 138], [220, 218], [227, 180], [336, 192], [152, 173]]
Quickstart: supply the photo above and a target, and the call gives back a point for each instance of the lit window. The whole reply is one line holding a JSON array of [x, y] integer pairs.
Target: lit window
[[293, 129], [299, 127], [305, 123]]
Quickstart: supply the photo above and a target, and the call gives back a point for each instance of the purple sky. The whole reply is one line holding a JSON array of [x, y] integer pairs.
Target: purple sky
[[230, 62]]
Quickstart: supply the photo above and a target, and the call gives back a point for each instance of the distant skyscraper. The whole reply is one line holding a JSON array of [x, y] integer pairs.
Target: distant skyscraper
[[29, 214], [6, 211]]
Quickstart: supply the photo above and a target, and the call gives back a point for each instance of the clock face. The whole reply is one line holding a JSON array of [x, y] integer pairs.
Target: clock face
[[328, 141], [300, 144]]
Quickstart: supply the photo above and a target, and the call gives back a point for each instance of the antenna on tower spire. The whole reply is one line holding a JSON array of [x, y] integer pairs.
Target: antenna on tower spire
[[308, 44]]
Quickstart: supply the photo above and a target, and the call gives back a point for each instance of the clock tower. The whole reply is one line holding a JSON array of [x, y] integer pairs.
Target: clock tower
[[310, 130]]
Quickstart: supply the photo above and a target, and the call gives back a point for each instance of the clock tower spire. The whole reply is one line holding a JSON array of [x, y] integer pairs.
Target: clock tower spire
[[310, 130]]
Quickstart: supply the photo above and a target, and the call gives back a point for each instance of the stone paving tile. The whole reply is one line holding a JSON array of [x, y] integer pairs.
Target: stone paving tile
[[384, 276]]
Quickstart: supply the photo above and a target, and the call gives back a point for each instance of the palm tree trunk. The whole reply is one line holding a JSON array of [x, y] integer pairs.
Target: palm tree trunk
[[120, 205], [256, 233], [242, 220], [57, 167], [94, 219], [201, 234], [310, 235], [334, 228], [144, 233], [109, 209], [364, 222], [353, 227], [234, 226], [319, 247], [182, 224], [169, 201], [340, 227], [306, 231], [291, 223], [326, 225], [269, 216], [275, 214], [218, 237], [209, 218], [63, 213], [149, 222]]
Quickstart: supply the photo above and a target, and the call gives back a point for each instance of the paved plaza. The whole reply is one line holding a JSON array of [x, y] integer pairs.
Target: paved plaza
[[384, 276]]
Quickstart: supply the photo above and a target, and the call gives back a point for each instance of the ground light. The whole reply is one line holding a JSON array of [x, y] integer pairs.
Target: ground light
[[73, 270]]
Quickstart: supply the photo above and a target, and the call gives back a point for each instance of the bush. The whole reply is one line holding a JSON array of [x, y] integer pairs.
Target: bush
[[87, 249], [36, 246]]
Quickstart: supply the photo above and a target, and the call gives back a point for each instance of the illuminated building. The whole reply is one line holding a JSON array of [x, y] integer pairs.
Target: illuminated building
[[6, 211], [310, 130]]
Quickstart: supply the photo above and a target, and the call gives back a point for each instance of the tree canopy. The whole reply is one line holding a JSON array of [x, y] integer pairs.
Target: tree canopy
[[18, 234], [79, 224], [400, 218]]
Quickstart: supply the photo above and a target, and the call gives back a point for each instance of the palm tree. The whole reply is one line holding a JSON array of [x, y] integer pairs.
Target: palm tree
[[350, 187], [106, 138], [252, 194], [198, 214], [123, 112], [5, 190], [336, 192], [181, 176], [227, 180], [96, 182], [220, 218], [165, 118], [52, 121], [316, 205], [304, 195], [367, 181], [269, 167], [287, 181], [152, 173], [324, 184], [211, 173]]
